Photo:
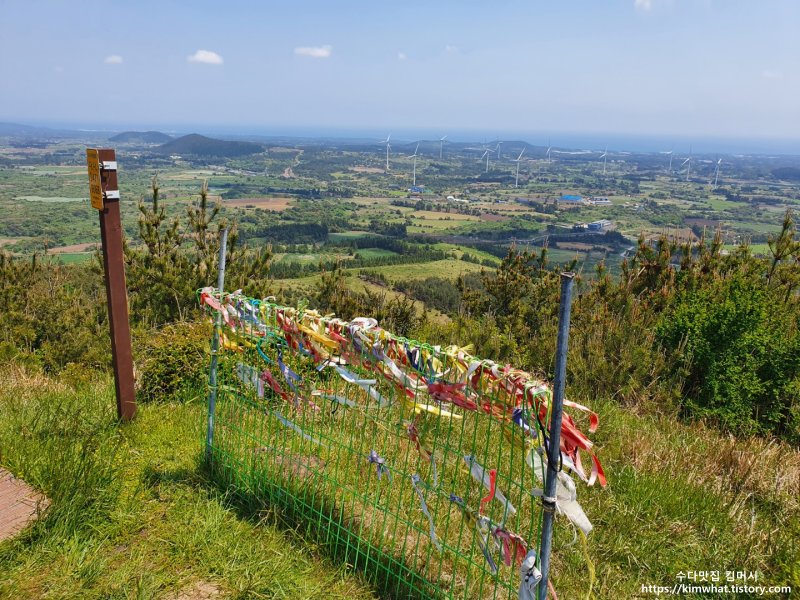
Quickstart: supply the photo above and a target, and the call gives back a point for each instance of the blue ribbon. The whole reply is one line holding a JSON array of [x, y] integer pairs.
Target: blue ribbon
[[288, 374], [380, 465], [415, 482]]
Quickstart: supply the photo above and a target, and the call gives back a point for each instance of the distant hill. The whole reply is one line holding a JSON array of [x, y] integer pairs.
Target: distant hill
[[17, 129], [144, 137], [30, 132], [199, 145]]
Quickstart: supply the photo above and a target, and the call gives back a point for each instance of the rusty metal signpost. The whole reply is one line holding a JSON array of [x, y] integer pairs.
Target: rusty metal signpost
[[104, 193]]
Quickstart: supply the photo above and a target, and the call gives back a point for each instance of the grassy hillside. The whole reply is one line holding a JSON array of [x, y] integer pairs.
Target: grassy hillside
[[134, 515]]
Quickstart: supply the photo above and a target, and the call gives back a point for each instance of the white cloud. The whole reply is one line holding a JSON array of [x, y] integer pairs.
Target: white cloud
[[643, 4], [450, 49], [770, 74], [314, 51], [206, 57], [401, 56], [113, 59]]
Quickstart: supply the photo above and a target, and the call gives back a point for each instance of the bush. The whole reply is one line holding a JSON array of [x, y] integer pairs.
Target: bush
[[172, 361], [741, 350]]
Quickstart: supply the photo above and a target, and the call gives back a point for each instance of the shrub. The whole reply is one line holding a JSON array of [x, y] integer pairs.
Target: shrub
[[740, 348], [172, 361]]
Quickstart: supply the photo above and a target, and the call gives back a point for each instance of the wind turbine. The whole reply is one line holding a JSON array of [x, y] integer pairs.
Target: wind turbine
[[688, 164], [497, 149], [441, 145], [386, 141], [549, 148], [414, 156], [604, 156], [716, 172], [669, 168], [486, 156], [517, 160]]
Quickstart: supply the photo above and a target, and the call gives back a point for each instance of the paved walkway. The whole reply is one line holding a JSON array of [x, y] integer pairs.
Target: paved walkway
[[19, 505]]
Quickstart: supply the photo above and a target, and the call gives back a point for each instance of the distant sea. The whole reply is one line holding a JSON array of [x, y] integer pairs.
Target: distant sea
[[617, 142], [681, 144]]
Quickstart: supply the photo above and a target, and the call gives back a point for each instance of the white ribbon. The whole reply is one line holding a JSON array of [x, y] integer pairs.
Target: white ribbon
[[480, 475]]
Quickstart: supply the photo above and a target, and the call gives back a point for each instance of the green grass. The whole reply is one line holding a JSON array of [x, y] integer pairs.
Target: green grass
[[133, 515], [719, 203], [375, 253], [73, 257]]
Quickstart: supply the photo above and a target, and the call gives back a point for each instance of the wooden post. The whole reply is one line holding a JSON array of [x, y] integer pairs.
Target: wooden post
[[107, 203]]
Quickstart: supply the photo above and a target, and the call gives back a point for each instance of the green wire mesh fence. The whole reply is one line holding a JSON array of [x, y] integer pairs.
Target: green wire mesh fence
[[418, 465]]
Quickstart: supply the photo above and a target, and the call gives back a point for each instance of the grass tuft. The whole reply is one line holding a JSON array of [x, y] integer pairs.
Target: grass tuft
[[132, 513]]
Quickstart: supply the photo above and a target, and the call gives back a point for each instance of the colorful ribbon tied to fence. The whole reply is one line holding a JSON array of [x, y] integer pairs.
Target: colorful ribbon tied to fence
[[420, 465]]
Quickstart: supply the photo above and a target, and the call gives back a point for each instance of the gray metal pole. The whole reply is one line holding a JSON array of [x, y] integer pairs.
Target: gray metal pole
[[212, 377], [554, 446]]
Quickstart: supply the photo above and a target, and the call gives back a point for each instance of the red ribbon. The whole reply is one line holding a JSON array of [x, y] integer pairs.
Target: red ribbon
[[492, 488]]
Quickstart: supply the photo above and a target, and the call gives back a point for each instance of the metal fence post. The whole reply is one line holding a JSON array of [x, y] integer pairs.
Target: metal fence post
[[553, 448], [212, 376]]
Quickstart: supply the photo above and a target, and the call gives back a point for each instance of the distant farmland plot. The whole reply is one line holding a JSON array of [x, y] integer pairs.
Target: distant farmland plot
[[276, 204], [74, 257], [371, 201], [74, 248], [430, 215], [375, 252], [308, 259], [448, 269], [53, 199], [196, 175], [348, 235], [438, 221]]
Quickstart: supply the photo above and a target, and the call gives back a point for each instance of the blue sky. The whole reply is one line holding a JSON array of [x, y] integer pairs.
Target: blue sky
[[679, 67]]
